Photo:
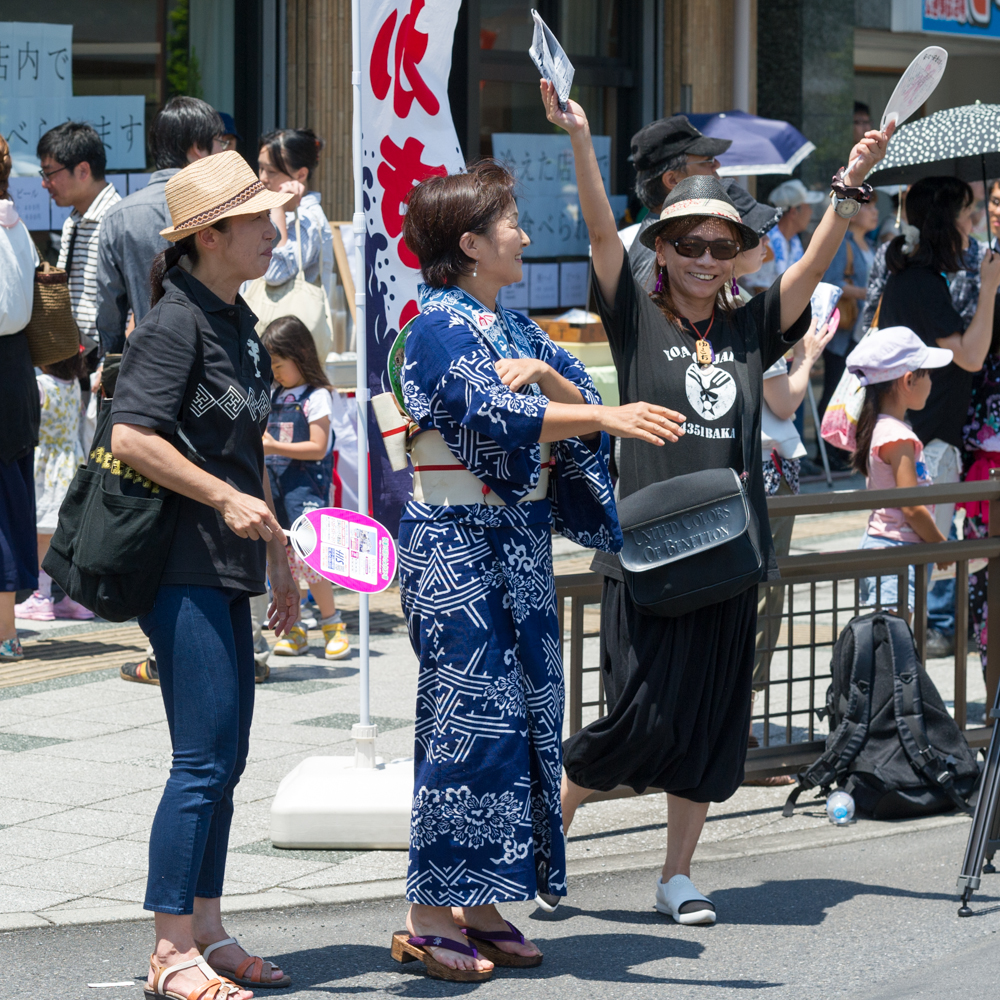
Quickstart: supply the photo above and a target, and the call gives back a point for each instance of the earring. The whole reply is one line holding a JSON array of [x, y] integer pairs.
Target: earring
[[475, 269], [735, 289], [658, 287]]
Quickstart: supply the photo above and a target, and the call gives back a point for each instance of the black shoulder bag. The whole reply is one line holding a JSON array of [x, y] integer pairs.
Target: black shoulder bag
[[116, 526], [693, 540]]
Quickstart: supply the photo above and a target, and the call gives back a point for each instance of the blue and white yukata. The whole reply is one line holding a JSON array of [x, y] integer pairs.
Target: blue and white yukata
[[478, 593]]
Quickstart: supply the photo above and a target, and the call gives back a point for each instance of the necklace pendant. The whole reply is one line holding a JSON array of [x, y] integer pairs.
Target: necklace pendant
[[704, 353]]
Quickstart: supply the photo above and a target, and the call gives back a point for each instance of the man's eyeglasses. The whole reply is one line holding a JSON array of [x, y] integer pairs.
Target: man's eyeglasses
[[51, 173], [691, 246]]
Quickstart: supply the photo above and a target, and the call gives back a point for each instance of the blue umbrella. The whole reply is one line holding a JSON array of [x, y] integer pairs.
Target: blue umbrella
[[759, 145]]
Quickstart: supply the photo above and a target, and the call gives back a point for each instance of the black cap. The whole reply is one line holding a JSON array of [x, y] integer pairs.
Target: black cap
[[699, 195], [760, 218], [662, 139]]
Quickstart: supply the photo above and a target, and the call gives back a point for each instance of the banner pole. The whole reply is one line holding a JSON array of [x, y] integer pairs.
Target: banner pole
[[360, 337]]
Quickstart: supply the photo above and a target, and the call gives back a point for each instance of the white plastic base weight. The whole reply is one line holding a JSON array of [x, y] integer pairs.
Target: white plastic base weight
[[328, 802]]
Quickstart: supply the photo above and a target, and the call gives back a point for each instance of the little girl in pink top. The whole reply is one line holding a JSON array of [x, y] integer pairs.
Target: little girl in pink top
[[893, 365]]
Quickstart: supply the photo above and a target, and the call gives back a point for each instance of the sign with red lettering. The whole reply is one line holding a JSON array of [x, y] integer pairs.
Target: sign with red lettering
[[407, 136]]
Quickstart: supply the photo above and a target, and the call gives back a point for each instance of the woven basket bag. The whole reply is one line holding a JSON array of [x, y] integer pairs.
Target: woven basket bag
[[52, 332]]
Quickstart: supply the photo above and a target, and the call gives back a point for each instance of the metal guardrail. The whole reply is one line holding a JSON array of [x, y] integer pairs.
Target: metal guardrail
[[821, 596]]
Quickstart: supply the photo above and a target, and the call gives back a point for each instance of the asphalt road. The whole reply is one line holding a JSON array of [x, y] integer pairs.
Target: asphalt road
[[875, 919]]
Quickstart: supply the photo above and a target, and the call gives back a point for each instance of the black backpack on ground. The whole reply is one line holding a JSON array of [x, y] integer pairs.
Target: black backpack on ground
[[892, 744]]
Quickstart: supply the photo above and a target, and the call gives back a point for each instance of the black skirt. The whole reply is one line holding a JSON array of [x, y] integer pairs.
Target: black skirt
[[679, 700]]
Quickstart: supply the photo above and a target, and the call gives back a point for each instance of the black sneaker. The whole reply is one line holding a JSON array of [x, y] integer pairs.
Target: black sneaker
[[937, 645]]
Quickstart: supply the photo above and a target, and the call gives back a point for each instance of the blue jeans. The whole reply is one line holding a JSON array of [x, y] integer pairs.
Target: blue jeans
[[203, 643], [888, 593]]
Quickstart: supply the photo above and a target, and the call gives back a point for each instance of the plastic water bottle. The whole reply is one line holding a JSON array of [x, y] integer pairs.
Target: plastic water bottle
[[840, 808]]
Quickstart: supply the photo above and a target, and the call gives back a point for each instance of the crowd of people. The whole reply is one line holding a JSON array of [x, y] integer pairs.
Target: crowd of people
[[706, 305]]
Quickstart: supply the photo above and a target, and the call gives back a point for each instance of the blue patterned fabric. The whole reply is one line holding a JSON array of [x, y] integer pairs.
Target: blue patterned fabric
[[479, 597]]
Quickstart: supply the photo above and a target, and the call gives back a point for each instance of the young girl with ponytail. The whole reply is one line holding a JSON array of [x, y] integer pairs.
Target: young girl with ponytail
[[298, 450], [894, 369]]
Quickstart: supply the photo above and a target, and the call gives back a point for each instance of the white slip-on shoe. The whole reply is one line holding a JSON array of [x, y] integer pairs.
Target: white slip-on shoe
[[679, 899], [547, 902]]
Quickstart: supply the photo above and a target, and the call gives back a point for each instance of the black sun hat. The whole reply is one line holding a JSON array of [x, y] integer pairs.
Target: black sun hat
[[704, 196], [653, 145]]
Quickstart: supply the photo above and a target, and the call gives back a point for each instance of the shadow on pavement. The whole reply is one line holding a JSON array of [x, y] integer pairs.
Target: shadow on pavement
[[588, 957], [796, 902]]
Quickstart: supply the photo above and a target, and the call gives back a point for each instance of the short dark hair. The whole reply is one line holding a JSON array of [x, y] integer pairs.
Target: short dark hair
[[184, 122], [649, 186], [440, 209], [292, 149], [73, 143], [860, 106]]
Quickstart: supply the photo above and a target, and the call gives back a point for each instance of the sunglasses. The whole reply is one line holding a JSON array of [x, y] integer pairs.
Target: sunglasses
[[691, 246]]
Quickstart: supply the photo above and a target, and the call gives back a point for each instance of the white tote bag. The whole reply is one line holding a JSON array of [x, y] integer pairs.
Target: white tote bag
[[295, 297]]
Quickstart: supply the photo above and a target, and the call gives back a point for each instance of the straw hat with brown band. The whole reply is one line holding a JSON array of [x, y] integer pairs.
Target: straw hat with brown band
[[213, 188]]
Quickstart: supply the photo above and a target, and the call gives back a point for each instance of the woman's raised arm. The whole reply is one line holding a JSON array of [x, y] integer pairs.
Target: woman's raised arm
[[605, 244], [800, 280]]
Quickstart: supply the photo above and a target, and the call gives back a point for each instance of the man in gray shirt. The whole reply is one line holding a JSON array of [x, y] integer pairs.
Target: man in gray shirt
[[184, 131], [663, 154]]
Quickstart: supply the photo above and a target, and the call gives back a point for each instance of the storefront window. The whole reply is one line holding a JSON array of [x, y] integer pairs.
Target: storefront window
[[589, 30], [116, 45]]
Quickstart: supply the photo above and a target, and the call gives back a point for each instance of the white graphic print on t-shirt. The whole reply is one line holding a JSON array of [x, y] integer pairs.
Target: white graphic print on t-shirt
[[710, 390]]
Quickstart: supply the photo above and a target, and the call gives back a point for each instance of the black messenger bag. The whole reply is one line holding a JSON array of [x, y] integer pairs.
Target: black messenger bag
[[693, 540], [116, 526]]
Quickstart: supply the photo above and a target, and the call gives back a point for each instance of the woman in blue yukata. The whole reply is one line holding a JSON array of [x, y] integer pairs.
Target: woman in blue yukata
[[509, 439]]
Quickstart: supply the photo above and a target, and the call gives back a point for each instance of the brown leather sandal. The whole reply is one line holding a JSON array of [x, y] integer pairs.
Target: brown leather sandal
[[407, 948], [215, 988], [253, 974]]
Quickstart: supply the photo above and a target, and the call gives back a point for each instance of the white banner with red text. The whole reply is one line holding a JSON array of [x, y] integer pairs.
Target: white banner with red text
[[407, 134]]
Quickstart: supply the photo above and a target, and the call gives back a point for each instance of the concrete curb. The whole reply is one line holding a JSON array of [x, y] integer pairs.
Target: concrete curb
[[356, 892]]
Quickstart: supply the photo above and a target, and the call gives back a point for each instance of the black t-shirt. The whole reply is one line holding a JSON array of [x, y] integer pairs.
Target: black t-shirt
[[656, 364], [230, 399], [918, 297]]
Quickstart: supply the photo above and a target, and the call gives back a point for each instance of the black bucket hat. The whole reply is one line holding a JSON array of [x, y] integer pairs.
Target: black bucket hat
[[759, 217], [703, 196]]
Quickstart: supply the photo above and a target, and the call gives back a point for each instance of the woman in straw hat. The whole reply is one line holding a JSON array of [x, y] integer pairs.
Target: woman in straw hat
[[189, 412], [679, 688]]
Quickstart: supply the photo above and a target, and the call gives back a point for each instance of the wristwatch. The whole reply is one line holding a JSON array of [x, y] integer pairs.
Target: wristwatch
[[848, 198], [846, 208]]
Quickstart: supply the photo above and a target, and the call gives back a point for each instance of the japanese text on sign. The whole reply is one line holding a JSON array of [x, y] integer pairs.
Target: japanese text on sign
[[36, 94], [547, 199], [36, 60]]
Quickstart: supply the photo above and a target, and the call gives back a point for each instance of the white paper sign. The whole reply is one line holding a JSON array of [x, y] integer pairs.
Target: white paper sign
[[516, 296], [31, 201], [36, 60], [57, 215], [118, 120], [543, 286], [573, 283], [120, 182], [546, 192]]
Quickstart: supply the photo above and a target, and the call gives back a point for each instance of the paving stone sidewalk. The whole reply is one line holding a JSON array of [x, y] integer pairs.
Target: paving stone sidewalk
[[84, 759]]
